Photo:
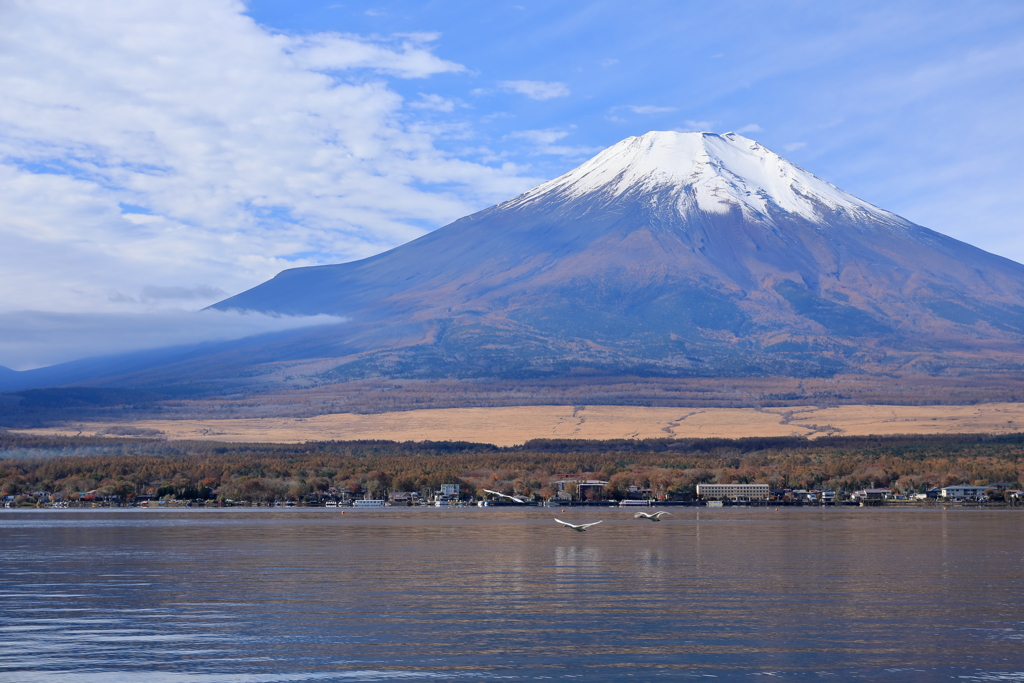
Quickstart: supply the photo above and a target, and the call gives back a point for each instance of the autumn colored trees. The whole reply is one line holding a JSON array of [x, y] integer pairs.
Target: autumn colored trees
[[669, 468]]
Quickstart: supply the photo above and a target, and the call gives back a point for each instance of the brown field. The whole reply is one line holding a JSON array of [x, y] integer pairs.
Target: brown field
[[506, 426]]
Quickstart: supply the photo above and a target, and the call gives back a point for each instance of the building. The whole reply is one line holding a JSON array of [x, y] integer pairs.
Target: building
[[815, 496], [449, 493], [931, 494], [872, 494], [583, 486], [737, 492], [639, 493], [965, 492], [404, 497]]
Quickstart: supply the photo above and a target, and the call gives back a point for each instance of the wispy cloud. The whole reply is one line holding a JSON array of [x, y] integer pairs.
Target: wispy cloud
[[541, 137], [543, 142], [198, 146], [794, 146], [536, 90], [750, 128], [335, 52], [690, 126], [435, 102], [34, 339], [156, 293], [647, 109]]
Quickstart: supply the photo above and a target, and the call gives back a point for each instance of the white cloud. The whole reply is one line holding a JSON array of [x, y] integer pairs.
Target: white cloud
[[543, 143], [541, 137], [34, 339], [750, 128], [199, 292], [335, 52], [648, 109], [609, 62], [794, 146], [536, 90], [167, 144], [435, 102], [695, 126]]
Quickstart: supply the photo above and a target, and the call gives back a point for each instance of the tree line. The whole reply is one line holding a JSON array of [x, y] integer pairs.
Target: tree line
[[258, 472]]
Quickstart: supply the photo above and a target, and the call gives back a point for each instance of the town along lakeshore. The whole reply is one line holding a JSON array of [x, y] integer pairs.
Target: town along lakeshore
[[960, 469]]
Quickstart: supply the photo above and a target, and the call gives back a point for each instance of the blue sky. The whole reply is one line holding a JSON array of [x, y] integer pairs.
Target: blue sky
[[158, 156], [915, 106]]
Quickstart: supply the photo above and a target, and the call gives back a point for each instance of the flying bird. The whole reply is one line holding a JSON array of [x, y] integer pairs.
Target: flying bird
[[654, 517], [517, 499], [577, 527]]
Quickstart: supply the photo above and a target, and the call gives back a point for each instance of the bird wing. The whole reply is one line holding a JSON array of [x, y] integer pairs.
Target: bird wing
[[659, 514], [571, 526], [497, 493], [641, 514], [584, 526]]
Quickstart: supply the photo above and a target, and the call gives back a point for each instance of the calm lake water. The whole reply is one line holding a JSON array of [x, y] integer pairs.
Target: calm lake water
[[506, 594]]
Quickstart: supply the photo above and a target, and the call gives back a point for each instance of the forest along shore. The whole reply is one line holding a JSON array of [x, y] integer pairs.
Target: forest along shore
[[36, 470]]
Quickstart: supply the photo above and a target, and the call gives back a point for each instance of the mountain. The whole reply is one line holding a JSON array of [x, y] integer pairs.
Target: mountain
[[668, 254], [671, 269]]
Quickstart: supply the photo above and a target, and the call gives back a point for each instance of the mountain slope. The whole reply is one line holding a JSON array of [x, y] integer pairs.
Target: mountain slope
[[669, 253]]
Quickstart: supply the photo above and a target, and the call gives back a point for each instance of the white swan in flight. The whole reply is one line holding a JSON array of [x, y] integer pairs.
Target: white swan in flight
[[654, 517], [518, 499], [578, 527]]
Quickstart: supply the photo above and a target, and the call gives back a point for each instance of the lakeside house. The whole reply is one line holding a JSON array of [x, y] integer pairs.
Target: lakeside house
[[404, 497], [872, 494], [813, 496], [585, 489]]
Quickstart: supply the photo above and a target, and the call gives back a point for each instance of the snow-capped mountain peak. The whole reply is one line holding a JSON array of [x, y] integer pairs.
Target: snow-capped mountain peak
[[707, 172], [682, 255]]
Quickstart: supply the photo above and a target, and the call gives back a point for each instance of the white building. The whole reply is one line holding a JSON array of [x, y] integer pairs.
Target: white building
[[738, 492], [450, 490], [872, 494], [965, 492]]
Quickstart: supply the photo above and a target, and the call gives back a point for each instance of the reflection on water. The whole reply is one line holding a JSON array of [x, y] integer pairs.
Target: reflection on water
[[497, 593]]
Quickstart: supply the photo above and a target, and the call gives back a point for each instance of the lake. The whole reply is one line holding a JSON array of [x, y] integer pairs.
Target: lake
[[481, 594]]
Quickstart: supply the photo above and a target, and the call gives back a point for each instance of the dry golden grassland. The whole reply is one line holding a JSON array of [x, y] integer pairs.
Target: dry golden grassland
[[506, 426]]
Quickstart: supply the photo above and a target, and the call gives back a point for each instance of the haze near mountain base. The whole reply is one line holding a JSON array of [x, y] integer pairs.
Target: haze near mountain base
[[667, 255]]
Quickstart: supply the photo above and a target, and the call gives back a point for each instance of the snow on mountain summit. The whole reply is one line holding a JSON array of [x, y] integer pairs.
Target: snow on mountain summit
[[708, 172]]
